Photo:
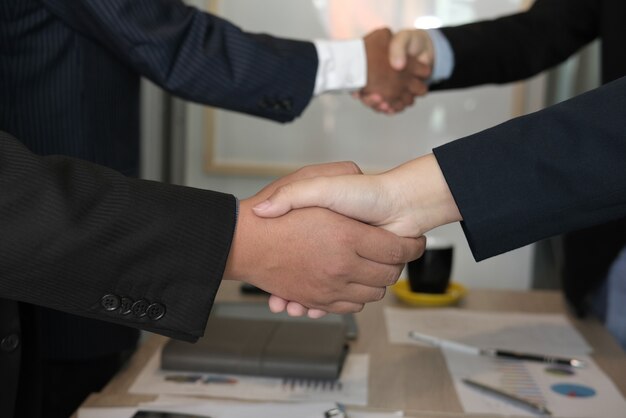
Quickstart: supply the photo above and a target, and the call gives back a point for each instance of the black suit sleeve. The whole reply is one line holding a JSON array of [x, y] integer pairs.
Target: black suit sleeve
[[85, 240], [521, 45], [198, 56], [550, 172]]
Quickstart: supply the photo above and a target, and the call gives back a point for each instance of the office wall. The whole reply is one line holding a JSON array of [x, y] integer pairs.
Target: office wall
[[336, 127]]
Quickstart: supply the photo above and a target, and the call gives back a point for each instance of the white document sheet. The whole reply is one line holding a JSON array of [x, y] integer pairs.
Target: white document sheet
[[539, 333], [567, 392], [230, 409], [351, 390]]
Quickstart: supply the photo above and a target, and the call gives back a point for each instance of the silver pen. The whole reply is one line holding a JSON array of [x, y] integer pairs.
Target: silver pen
[[510, 397], [493, 352]]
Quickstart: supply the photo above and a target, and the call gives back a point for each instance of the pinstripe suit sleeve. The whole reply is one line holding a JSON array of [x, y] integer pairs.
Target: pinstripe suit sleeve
[[73, 232], [553, 171], [198, 56]]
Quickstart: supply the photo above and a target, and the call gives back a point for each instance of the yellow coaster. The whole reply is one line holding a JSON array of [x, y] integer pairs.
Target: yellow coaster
[[454, 293]]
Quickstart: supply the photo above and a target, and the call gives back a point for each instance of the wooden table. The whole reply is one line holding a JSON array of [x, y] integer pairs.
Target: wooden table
[[404, 377]]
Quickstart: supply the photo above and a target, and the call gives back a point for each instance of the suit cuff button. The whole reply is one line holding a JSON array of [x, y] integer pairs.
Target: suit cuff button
[[139, 308], [126, 306], [110, 302], [10, 343], [156, 311]]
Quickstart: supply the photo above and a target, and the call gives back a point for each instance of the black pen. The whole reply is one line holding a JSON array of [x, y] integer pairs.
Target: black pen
[[510, 397], [494, 352], [532, 357]]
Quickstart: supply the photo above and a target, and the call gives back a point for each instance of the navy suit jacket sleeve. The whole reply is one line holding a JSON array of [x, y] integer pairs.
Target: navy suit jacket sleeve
[[518, 46], [198, 56], [74, 232], [553, 171]]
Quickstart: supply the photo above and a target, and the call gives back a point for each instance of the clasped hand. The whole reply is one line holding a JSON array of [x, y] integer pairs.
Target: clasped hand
[[317, 258], [398, 67]]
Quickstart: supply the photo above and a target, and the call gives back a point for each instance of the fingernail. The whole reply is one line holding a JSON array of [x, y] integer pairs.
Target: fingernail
[[398, 63], [262, 206]]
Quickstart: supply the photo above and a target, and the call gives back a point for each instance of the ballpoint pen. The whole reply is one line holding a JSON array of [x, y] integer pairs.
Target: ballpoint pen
[[493, 352], [510, 397]]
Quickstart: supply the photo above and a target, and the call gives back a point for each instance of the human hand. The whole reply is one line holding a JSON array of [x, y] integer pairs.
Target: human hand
[[276, 303], [317, 258], [409, 200], [412, 46], [389, 89]]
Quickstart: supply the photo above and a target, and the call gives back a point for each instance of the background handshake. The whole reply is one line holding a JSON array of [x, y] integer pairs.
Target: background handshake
[[349, 237], [398, 69]]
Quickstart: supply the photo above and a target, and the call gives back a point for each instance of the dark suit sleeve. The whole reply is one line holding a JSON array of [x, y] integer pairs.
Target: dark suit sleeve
[[554, 171], [519, 46], [198, 56], [86, 240]]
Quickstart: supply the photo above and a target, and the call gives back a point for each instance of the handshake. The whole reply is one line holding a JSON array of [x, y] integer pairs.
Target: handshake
[[329, 238], [398, 69]]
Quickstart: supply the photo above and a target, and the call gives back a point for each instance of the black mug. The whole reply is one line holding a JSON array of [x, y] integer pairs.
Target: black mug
[[431, 272]]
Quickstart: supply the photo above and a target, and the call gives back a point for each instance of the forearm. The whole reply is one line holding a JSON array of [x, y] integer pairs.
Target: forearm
[[557, 170], [75, 232], [521, 45], [421, 195], [198, 56]]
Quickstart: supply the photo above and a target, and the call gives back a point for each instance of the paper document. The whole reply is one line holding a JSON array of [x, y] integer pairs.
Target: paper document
[[534, 333], [565, 391], [351, 389]]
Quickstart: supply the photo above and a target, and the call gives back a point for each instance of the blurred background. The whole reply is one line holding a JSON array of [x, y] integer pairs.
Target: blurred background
[[214, 149]]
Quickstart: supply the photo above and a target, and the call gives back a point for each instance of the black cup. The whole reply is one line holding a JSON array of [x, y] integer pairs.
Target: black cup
[[431, 273]]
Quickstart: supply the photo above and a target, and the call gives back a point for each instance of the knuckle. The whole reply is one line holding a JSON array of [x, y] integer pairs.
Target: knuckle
[[350, 167]]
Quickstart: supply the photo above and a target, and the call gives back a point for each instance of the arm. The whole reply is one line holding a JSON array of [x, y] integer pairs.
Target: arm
[[74, 232], [203, 58], [553, 171], [519, 46], [199, 56], [502, 50], [85, 240]]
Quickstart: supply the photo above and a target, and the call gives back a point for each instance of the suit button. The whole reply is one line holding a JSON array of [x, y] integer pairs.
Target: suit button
[[139, 308], [286, 104], [10, 343], [264, 104], [126, 305], [156, 311], [110, 302]]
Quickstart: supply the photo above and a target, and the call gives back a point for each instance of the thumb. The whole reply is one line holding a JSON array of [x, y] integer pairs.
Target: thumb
[[398, 49], [299, 194]]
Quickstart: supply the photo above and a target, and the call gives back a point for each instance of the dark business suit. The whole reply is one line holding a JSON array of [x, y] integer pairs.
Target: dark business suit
[[69, 78], [521, 45], [553, 171], [85, 240]]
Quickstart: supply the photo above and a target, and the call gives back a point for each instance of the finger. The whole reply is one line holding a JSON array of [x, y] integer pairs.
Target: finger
[[277, 304], [296, 309], [311, 171], [385, 247], [398, 49], [316, 313], [371, 99], [417, 87], [304, 193], [345, 307], [384, 107], [421, 70]]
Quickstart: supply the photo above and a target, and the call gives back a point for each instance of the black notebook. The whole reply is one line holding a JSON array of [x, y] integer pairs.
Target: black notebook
[[273, 348]]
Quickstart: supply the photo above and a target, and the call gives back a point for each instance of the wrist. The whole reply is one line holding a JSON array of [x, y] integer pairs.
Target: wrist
[[423, 194], [239, 256]]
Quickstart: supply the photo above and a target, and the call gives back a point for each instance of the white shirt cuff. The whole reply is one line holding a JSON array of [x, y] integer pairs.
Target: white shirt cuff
[[342, 65]]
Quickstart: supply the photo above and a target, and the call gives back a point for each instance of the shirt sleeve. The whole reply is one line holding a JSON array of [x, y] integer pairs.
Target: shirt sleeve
[[444, 57], [342, 66]]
